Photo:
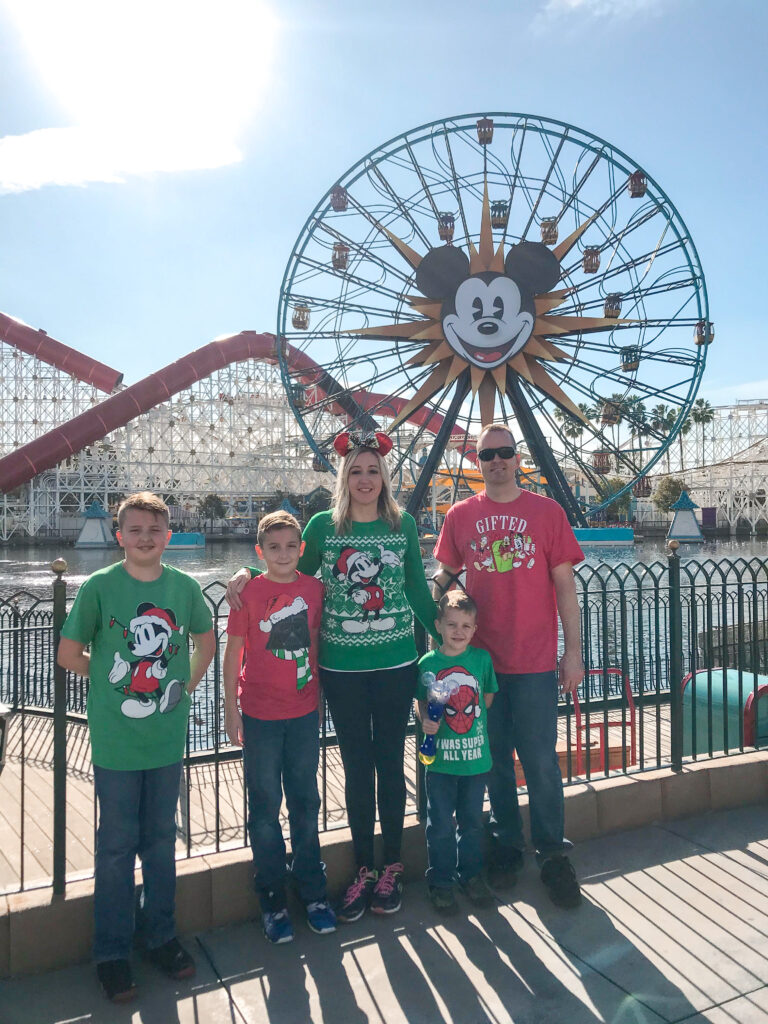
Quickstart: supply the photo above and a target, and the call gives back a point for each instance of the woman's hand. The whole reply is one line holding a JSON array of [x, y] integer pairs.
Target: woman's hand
[[235, 588]]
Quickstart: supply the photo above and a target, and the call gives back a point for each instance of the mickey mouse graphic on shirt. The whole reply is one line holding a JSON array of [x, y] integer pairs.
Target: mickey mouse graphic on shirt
[[362, 572], [151, 629], [286, 622], [463, 708]]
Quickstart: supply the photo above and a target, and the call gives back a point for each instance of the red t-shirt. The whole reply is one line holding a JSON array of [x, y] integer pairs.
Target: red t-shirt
[[280, 623], [509, 550]]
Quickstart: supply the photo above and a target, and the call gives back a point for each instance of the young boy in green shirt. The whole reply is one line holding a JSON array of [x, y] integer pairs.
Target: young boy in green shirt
[[136, 617], [456, 779]]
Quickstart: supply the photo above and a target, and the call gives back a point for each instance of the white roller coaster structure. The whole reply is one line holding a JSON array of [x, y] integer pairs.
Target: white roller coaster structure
[[231, 433]]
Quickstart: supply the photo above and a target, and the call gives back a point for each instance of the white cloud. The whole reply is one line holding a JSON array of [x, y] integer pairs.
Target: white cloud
[[554, 9], [160, 86]]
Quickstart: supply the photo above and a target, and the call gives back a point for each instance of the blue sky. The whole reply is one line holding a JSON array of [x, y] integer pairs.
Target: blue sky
[[155, 171]]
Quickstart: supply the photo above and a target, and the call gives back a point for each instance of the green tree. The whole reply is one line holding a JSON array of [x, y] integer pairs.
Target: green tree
[[211, 507], [620, 506], [668, 490]]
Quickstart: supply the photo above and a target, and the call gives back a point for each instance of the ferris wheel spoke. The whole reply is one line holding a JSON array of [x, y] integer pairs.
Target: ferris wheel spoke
[[552, 165], [630, 264], [457, 190], [363, 250], [400, 205], [351, 278], [600, 372], [628, 294], [420, 176], [515, 177]]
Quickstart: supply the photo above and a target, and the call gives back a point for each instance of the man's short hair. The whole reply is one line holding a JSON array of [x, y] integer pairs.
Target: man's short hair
[[495, 426], [457, 600], [143, 501], [279, 520]]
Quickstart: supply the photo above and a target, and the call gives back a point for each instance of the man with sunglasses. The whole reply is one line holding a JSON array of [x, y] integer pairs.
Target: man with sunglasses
[[519, 550]]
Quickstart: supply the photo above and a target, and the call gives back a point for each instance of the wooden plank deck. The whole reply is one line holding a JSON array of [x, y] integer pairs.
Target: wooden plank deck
[[26, 796]]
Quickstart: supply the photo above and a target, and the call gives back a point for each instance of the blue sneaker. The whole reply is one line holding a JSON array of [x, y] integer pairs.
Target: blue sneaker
[[277, 926], [320, 917]]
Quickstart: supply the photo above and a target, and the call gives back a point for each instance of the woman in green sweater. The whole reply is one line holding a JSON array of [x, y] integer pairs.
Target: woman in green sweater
[[367, 551]]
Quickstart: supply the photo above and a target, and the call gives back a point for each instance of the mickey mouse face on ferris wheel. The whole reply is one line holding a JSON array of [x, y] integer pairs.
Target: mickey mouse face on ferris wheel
[[488, 317]]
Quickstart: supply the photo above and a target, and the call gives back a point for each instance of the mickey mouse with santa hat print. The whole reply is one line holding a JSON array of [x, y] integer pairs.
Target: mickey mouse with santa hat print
[[366, 550]]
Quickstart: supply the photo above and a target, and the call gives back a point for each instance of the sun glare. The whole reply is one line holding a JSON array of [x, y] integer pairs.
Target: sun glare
[[161, 84]]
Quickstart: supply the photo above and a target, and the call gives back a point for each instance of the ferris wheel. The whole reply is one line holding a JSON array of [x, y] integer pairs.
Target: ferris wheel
[[497, 267]]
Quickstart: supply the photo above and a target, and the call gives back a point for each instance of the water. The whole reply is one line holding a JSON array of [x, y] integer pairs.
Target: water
[[29, 568]]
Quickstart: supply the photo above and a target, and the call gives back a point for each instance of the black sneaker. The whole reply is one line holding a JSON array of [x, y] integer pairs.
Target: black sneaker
[[172, 959], [117, 981], [558, 876], [442, 899], [357, 896], [476, 890], [388, 891], [504, 865]]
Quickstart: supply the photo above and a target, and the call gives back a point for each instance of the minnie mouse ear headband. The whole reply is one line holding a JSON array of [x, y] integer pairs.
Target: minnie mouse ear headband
[[353, 441]]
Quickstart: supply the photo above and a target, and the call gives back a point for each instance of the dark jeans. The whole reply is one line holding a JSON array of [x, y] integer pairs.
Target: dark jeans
[[136, 818], [370, 713], [454, 851], [523, 717], [282, 755]]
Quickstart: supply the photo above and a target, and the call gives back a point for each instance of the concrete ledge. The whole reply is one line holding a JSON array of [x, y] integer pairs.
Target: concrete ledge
[[40, 932]]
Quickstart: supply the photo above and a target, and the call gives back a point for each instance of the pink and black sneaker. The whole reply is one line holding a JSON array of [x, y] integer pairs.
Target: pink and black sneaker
[[357, 897], [388, 891]]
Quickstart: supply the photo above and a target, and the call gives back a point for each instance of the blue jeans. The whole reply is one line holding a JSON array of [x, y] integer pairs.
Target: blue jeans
[[283, 754], [136, 818], [454, 851], [523, 717]]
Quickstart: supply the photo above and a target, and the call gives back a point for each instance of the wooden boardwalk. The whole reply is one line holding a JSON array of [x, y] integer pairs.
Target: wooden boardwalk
[[216, 822]]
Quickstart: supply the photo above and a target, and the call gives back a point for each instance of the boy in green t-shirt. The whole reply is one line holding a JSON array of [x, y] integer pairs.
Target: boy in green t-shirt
[[455, 780], [136, 617]]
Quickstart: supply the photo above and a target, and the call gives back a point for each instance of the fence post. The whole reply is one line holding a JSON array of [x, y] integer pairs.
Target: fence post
[[675, 657], [59, 567]]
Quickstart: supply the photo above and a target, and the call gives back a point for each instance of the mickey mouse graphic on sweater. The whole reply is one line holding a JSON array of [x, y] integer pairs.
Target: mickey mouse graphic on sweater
[[362, 572]]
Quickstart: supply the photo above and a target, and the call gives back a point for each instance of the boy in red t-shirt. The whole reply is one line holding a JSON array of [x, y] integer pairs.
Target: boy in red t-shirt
[[277, 723]]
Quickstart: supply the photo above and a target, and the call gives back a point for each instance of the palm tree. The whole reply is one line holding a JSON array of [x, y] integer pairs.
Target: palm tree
[[702, 415], [662, 420], [685, 429], [637, 416]]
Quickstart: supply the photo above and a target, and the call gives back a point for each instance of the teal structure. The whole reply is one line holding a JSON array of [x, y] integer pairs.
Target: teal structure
[[729, 708]]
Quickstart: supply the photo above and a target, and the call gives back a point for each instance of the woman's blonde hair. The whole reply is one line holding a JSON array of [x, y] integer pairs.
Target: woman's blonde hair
[[388, 508]]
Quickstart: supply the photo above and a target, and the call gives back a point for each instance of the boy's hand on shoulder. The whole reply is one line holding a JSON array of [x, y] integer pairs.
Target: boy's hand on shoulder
[[233, 723]]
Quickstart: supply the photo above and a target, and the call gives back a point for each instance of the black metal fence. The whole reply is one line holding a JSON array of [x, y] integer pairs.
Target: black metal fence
[[673, 654]]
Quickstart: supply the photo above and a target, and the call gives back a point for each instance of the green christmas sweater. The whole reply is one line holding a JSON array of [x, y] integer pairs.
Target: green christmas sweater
[[374, 580]]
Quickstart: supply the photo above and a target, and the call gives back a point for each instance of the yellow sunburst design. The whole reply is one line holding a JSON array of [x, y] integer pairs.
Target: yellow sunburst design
[[527, 362]]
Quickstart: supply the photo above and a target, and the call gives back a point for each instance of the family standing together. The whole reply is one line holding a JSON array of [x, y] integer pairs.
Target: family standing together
[[333, 613]]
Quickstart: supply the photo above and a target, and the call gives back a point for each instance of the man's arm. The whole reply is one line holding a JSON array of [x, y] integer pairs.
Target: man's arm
[[71, 656], [443, 578], [202, 656], [571, 666], [233, 656]]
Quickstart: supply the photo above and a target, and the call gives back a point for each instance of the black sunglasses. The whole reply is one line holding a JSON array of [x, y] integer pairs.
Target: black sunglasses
[[508, 451]]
